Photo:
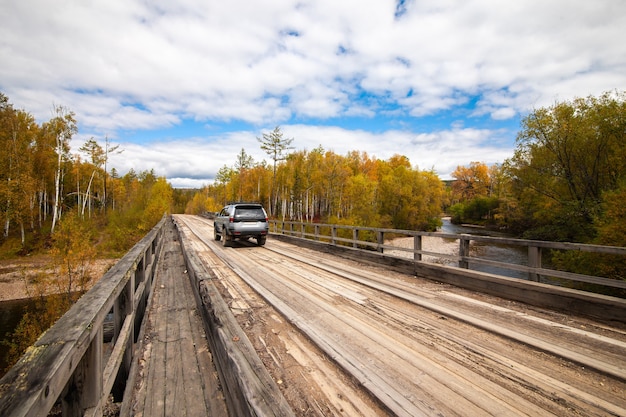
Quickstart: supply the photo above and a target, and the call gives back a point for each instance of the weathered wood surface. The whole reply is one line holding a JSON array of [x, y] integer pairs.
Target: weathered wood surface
[[249, 388], [176, 375]]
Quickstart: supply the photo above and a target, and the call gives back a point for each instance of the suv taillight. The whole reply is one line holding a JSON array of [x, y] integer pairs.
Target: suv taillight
[[231, 219]]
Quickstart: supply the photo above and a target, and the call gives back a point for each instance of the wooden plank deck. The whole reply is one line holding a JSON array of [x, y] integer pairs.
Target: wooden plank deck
[[175, 374]]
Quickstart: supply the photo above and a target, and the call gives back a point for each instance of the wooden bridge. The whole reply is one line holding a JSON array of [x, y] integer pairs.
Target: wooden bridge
[[183, 341]]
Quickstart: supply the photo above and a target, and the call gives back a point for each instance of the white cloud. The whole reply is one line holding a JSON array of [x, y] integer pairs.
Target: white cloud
[[137, 65]]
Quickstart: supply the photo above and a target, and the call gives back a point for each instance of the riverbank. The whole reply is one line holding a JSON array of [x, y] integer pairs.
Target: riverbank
[[16, 274]]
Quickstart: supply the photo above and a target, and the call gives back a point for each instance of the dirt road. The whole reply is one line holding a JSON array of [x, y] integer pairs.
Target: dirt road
[[343, 338]]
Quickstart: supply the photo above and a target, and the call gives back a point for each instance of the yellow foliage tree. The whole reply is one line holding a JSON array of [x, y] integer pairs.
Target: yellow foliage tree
[[471, 182]]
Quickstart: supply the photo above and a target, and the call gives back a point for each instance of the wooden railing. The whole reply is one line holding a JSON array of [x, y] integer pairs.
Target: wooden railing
[[71, 365], [382, 240]]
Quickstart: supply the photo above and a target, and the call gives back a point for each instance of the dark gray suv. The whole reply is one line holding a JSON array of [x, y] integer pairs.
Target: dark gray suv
[[241, 221]]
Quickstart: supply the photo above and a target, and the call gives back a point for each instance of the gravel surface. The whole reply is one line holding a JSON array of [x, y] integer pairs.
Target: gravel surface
[[16, 275]]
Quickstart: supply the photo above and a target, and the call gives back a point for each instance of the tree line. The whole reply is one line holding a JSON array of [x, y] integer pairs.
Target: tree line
[[321, 185], [42, 180]]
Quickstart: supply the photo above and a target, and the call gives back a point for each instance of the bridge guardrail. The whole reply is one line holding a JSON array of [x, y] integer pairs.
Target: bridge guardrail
[[329, 233], [529, 291], [69, 363]]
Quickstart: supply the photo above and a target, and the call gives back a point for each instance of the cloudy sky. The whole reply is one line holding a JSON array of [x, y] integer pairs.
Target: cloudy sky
[[182, 86]]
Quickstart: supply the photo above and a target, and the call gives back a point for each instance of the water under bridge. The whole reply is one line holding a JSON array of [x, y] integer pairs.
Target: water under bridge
[[328, 320]]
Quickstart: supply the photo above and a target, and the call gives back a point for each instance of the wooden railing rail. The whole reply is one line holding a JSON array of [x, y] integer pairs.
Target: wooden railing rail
[[70, 364], [330, 233]]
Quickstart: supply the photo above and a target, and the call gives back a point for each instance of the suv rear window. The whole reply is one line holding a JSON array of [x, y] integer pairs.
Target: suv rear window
[[249, 212]]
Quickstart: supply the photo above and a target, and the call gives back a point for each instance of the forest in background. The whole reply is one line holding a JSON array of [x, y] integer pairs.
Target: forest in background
[[566, 181], [43, 181]]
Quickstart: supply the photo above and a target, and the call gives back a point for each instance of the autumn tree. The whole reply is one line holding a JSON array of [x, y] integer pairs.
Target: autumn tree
[[476, 193], [409, 199], [17, 185], [334, 175], [242, 164], [108, 151], [97, 157], [471, 181], [224, 185], [159, 202], [143, 199], [200, 204], [567, 156]]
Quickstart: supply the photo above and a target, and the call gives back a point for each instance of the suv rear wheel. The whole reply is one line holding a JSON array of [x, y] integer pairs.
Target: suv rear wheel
[[228, 240]]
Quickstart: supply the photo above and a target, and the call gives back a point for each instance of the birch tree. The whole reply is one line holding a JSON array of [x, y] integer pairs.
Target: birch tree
[[61, 129], [97, 156]]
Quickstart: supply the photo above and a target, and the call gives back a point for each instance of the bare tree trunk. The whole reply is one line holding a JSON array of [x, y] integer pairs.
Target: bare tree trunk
[[8, 209], [40, 207], [57, 190], [88, 196], [79, 198], [33, 201]]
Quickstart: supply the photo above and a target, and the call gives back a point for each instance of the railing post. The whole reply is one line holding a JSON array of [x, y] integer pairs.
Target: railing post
[[333, 234], [317, 232], [122, 308], [464, 251], [140, 271], [355, 237], [417, 246], [302, 229], [83, 391], [380, 240], [149, 252], [534, 261]]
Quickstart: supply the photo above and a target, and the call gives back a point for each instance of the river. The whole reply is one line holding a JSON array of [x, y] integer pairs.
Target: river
[[502, 253]]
